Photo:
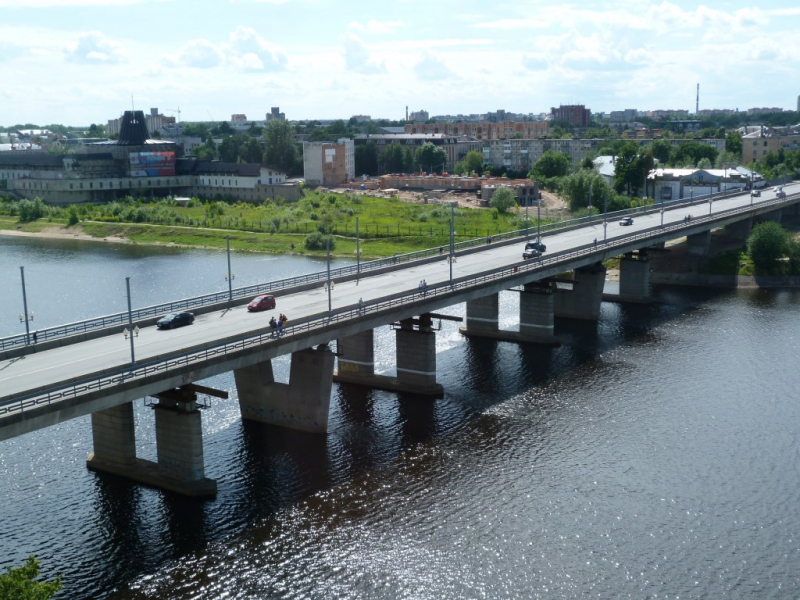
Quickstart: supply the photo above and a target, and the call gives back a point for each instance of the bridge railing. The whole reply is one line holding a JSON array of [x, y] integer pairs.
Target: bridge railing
[[283, 285], [109, 379]]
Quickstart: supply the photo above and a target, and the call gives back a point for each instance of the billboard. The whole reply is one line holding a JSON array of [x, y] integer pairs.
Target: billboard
[[152, 164]]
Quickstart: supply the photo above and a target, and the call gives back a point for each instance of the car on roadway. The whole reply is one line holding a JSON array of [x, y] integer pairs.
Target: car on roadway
[[260, 303], [626, 221], [173, 320], [531, 253], [535, 246], [756, 193]]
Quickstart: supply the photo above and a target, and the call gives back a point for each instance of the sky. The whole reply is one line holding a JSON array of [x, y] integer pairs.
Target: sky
[[77, 62]]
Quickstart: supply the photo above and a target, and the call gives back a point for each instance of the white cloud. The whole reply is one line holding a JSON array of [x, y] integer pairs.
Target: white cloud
[[66, 3], [513, 24], [253, 53], [358, 58], [431, 68], [95, 48], [374, 26], [198, 54]]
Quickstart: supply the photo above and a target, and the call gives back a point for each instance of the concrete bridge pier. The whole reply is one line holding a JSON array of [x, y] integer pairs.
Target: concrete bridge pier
[[537, 312], [416, 357], [583, 302], [179, 445], [482, 316], [355, 355], [739, 231], [634, 277], [698, 244], [301, 404]]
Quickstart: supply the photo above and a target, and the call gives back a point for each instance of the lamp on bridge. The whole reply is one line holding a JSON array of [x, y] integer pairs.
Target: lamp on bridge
[[25, 316], [230, 276]]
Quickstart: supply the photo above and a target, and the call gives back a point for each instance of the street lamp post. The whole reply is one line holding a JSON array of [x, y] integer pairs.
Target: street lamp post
[[452, 238], [527, 204], [328, 249], [25, 307], [662, 216], [539, 220], [230, 277], [358, 249], [130, 317]]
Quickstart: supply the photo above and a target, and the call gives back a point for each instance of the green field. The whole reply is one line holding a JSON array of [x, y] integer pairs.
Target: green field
[[386, 226]]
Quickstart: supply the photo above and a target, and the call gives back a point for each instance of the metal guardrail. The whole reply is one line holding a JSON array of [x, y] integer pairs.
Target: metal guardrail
[[282, 285], [104, 380]]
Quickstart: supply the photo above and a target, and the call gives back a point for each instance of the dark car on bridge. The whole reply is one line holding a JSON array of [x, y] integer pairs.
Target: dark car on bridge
[[531, 253], [626, 221], [535, 246], [756, 193], [173, 320], [261, 303]]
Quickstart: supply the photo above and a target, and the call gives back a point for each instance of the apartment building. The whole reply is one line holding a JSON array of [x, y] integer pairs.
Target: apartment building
[[520, 155], [576, 115], [483, 130], [764, 140]]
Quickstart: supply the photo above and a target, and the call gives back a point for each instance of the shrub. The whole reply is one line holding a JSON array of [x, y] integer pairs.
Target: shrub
[[503, 199], [767, 243], [30, 210], [318, 241]]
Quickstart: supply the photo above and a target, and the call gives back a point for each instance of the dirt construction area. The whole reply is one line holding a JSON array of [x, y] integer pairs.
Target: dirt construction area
[[553, 207]]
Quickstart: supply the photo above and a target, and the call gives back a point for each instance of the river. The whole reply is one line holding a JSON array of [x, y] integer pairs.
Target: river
[[654, 454]]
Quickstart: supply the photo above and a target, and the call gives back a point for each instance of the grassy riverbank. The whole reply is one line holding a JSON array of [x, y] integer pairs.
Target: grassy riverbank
[[386, 226]]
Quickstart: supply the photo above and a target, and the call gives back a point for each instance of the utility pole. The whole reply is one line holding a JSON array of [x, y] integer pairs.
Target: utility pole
[[230, 278], [358, 249], [452, 239]]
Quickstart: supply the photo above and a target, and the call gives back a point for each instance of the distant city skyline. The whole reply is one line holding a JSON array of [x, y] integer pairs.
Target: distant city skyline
[[77, 62]]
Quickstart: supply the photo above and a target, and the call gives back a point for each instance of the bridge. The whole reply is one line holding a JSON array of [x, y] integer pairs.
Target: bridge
[[88, 368]]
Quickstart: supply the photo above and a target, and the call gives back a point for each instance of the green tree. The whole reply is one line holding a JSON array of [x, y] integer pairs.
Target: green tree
[[366, 159], [408, 160], [692, 152], [208, 151], [585, 188], [229, 149], [251, 151], [503, 199], [281, 149], [767, 243], [631, 168], [431, 158], [30, 210], [661, 150], [550, 164], [473, 161], [733, 143], [390, 159], [23, 583]]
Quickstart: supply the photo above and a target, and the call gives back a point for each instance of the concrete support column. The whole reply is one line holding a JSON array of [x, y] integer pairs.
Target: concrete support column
[[634, 278], [179, 446], [179, 440], [583, 302], [113, 438], [698, 244], [416, 356], [356, 358], [482, 315], [537, 312], [301, 404], [740, 230]]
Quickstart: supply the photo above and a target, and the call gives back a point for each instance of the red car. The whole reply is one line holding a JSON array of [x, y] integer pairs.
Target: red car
[[261, 303]]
